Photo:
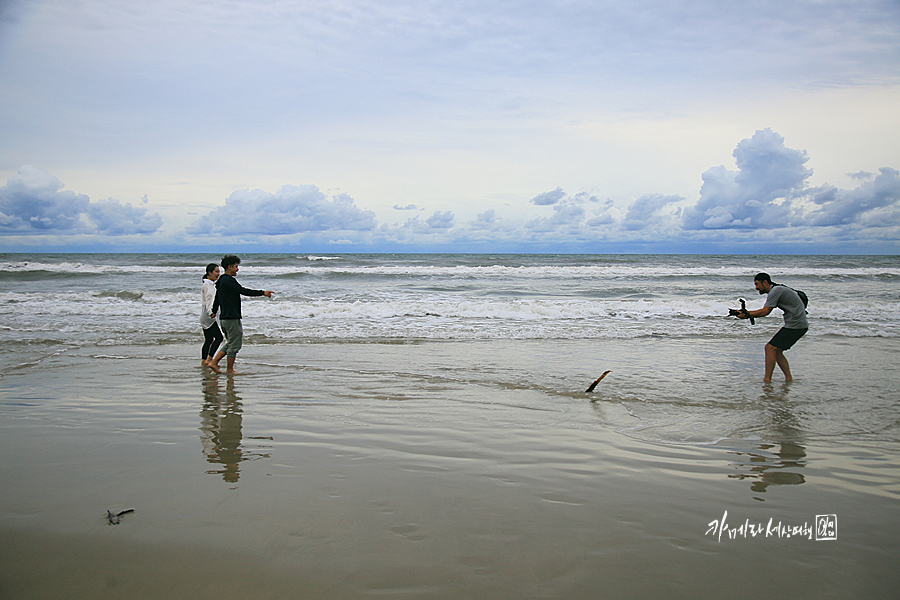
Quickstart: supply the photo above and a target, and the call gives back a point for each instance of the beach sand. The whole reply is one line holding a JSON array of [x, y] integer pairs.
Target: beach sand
[[443, 470]]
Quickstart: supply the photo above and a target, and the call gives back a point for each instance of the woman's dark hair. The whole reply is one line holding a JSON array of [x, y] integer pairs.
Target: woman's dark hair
[[209, 269], [230, 259]]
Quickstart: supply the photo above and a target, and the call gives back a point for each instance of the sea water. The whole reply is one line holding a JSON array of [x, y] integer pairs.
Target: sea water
[[139, 298], [418, 425]]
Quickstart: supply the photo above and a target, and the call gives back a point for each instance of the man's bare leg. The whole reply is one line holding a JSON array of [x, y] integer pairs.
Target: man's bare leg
[[770, 362], [776, 356], [782, 361], [214, 363], [229, 364]]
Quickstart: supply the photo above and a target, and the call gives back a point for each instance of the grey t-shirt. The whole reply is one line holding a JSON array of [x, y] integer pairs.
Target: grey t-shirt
[[787, 300]]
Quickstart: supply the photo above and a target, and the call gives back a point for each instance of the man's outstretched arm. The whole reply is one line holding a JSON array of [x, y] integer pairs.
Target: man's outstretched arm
[[756, 313]]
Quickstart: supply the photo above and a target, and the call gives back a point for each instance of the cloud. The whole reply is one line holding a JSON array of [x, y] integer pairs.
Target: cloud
[[566, 216], [875, 203], [769, 191], [760, 194], [548, 198], [113, 218], [33, 201], [644, 211], [292, 209], [764, 203], [569, 215], [603, 216], [488, 217], [440, 220]]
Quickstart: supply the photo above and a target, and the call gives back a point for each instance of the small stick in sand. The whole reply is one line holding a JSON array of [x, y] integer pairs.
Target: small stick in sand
[[593, 385]]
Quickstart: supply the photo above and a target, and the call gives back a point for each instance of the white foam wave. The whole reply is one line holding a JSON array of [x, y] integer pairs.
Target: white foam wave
[[391, 304], [565, 272], [419, 316], [75, 268], [617, 271]]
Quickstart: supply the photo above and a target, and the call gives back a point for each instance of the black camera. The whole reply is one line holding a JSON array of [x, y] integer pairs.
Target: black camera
[[738, 312]]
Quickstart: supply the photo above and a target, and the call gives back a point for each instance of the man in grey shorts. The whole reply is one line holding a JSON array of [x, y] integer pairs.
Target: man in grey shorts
[[795, 322], [228, 298]]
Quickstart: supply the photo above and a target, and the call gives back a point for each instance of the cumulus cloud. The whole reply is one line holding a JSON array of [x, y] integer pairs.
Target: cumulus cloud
[[759, 195], [33, 201], [645, 211], [770, 191], [565, 216], [767, 193], [440, 220], [488, 217], [292, 209], [569, 213], [113, 218], [548, 198], [874, 203], [602, 217]]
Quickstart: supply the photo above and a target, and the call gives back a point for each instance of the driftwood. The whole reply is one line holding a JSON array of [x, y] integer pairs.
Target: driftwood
[[593, 385]]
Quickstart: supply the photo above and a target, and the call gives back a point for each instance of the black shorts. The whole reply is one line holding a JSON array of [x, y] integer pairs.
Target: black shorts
[[785, 338]]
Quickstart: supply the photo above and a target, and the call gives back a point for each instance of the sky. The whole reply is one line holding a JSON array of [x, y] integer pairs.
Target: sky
[[604, 126]]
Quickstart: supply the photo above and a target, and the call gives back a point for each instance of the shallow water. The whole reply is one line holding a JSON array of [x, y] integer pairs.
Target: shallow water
[[449, 469]]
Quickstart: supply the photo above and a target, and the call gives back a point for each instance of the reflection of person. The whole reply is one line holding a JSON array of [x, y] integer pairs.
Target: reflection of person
[[228, 298], [220, 428], [212, 336], [782, 458], [795, 322], [775, 467]]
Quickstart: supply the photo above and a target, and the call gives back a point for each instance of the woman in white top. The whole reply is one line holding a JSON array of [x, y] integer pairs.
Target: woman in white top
[[212, 336]]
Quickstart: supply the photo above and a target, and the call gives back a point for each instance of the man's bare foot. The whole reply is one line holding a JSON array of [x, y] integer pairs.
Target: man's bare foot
[[214, 367], [229, 364]]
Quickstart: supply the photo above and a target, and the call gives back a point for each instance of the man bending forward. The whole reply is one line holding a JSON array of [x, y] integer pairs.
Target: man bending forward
[[795, 322]]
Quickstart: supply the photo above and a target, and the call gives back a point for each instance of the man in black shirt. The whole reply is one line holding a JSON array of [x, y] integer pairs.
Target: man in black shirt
[[228, 298]]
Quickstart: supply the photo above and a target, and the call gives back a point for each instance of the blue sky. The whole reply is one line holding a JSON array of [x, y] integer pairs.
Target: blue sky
[[472, 126]]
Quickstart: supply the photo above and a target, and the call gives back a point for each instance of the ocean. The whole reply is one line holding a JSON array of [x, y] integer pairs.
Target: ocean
[[417, 425], [102, 299]]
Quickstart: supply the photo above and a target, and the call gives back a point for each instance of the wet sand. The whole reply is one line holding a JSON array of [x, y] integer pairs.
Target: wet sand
[[434, 470]]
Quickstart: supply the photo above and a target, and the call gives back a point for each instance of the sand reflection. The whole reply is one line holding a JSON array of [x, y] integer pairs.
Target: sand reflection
[[221, 421], [781, 459]]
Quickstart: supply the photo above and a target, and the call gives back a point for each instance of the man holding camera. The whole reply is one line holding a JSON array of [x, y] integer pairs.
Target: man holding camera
[[795, 322]]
